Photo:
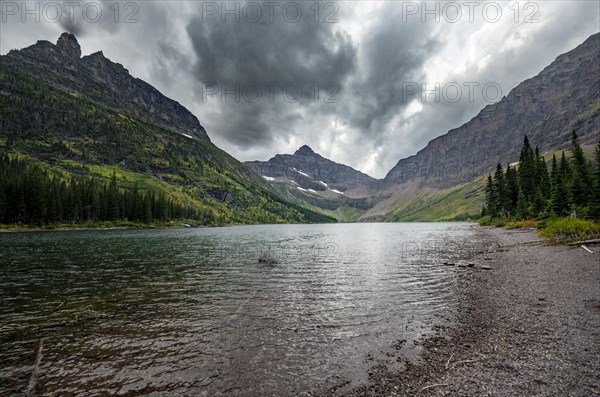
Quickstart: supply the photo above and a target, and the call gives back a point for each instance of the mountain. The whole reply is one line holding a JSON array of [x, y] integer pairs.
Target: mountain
[[310, 179], [102, 81], [445, 180], [74, 116], [564, 97], [306, 169]]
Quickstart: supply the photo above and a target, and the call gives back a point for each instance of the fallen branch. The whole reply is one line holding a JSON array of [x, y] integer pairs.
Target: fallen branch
[[450, 359], [593, 241], [587, 249], [462, 362], [36, 368], [435, 385], [532, 242]]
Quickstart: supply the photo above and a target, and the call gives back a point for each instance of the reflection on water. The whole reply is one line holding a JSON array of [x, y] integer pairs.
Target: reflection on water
[[192, 311]]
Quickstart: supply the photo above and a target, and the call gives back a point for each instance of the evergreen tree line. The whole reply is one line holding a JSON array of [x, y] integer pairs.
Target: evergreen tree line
[[29, 195], [530, 191]]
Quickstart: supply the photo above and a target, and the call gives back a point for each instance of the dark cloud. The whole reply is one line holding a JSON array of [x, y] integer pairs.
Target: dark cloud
[[368, 81], [87, 17], [259, 60], [369, 56], [393, 57], [74, 26]]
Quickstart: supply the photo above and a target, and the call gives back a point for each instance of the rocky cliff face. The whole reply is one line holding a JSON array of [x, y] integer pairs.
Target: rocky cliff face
[[310, 171], [547, 107], [103, 81]]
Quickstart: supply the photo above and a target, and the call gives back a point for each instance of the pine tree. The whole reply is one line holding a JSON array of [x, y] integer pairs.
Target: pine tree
[[543, 179], [97, 212], [579, 162], [147, 209], [137, 208], [564, 168], [113, 198], [52, 214], [512, 185], [581, 181], [554, 171], [490, 194], [522, 205], [502, 203], [539, 203], [560, 202], [527, 169]]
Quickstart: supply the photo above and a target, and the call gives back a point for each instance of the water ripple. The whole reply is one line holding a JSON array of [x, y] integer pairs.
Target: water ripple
[[193, 312]]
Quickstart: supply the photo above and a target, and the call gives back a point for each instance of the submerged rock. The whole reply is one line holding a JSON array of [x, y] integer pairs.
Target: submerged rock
[[267, 257]]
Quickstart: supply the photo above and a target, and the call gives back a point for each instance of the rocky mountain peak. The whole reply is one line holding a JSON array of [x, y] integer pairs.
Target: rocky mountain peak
[[67, 44], [308, 172], [304, 150], [103, 81]]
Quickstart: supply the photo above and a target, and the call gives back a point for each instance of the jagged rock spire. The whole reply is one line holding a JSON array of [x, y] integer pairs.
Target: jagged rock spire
[[68, 45]]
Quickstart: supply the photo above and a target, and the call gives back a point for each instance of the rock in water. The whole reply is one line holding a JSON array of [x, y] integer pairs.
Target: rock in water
[[267, 257]]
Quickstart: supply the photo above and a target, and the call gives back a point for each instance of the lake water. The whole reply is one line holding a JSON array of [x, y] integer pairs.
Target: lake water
[[192, 311]]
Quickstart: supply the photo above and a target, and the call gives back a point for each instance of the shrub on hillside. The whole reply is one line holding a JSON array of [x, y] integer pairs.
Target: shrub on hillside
[[566, 229]]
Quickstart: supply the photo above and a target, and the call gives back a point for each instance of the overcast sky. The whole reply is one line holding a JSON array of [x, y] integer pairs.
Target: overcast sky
[[345, 78]]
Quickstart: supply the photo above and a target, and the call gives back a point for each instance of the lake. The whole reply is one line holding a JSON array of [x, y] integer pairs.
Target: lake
[[192, 311]]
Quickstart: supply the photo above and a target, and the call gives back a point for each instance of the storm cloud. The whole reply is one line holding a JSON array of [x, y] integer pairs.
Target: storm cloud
[[378, 80], [265, 74]]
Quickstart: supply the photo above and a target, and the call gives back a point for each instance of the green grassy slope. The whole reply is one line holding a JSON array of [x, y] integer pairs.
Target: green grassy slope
[[453, 204]]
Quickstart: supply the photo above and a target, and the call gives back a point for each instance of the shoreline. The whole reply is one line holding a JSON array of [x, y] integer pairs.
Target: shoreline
[[528, 326], [62, 229], [181, 226], [98, 228]]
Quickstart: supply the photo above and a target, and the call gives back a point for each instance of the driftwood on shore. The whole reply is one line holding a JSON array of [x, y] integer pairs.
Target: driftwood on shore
[[587, 249], [584, 242]]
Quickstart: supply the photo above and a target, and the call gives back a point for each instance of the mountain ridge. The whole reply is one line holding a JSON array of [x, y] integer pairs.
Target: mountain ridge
[[99, 74], [531, 100]]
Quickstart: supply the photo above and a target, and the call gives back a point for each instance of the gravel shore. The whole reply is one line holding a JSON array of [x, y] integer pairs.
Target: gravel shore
[[530, 326]]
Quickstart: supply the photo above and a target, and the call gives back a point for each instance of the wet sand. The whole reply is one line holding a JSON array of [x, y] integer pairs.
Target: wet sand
[[530, 326]]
